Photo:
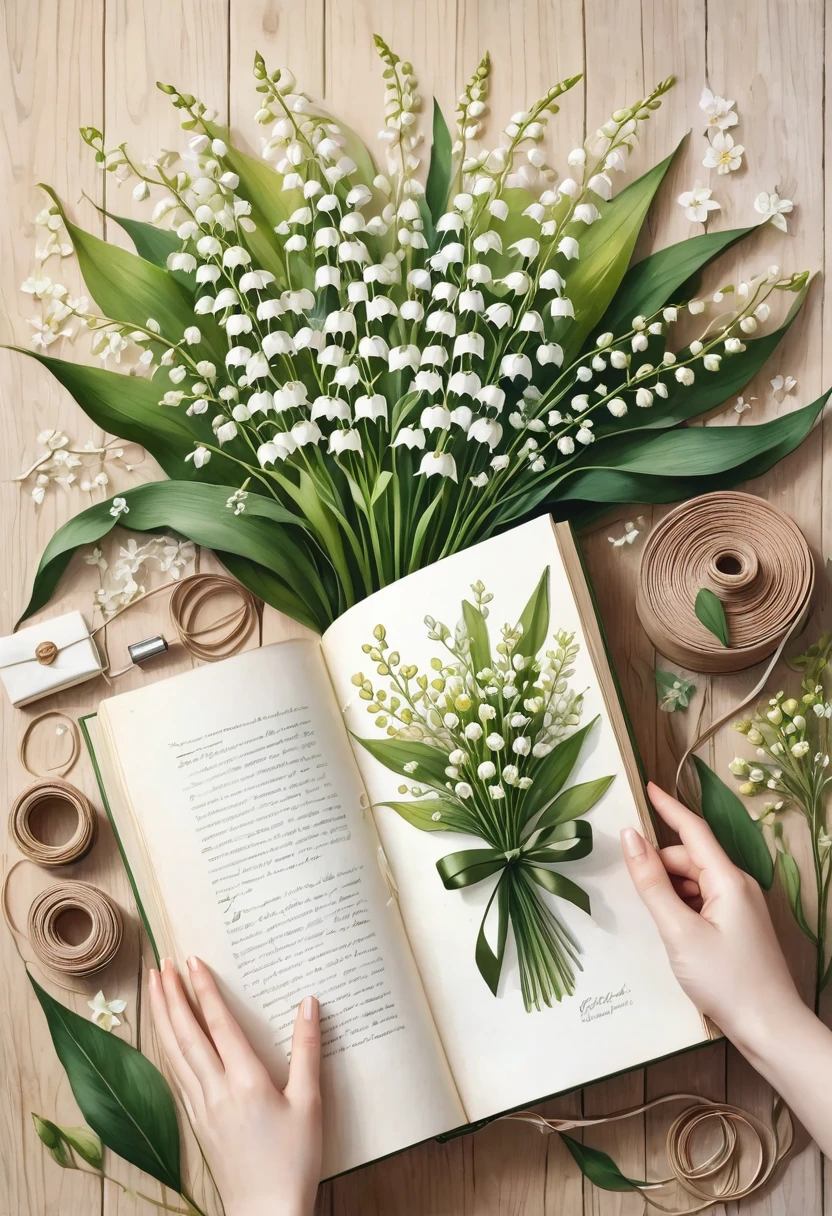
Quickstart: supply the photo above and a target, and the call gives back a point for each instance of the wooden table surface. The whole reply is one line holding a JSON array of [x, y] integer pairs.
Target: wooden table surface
[[72, 62]]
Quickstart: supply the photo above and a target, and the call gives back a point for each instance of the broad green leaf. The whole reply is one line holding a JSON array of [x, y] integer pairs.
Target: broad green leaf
[[420, 812], [658, 279], [605, 251], [128, 288], [123, 1098], [152, 243], [396, 754], [598, 1167], [534, 619], [740, 836], [477, 631], [128, 406], [575, 801], [709, 611], [551, 773], [260, 534], [441, 165], [790, 881], [275, 592]]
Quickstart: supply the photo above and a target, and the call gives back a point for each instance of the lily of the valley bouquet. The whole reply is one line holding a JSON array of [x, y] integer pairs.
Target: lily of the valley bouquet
[[347, 374]]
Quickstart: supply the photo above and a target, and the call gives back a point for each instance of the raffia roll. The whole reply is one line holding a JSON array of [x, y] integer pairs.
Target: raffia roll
[[750, 554]]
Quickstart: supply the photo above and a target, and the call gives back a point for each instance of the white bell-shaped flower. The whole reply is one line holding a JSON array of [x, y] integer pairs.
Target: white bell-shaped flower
[[513, 366], [438, 463]]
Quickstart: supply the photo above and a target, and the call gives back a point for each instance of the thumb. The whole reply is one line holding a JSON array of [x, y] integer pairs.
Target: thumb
[[653, 884], [304, 1084]]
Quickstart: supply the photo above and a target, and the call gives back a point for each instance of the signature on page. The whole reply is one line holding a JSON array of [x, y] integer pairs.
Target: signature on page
[[606, 1004]]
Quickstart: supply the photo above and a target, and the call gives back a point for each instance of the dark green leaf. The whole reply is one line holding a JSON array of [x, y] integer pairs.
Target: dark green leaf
[[658, 279], [125, 1100], [441, 165], [709, 610], [551, 773], [598, 1167], [396, 753], [128, 288], [477, 631], [739, 835], [152, 243], [199, 512], [790, 881], [575, 801]]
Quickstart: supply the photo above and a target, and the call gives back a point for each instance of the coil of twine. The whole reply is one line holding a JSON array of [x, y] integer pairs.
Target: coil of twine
[[44, 929], [43, 797], [750, 554]]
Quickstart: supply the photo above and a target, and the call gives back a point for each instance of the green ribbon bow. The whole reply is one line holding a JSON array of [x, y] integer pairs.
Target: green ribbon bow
[[470, 866]]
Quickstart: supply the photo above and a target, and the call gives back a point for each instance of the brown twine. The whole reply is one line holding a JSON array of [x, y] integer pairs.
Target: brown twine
[[53, 950], [719, 1177], [218, 640], [38, 851], [65, 765], [750, 554]]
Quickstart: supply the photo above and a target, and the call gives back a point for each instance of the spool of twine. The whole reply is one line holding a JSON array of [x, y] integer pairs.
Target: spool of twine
[[43, 797], [750, 554], [53, 950]]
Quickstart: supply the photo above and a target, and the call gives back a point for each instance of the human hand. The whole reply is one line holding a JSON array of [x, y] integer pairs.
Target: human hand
[[263, 1146], [715, 926]]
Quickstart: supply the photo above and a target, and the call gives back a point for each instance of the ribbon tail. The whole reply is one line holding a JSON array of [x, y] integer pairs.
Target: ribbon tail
[[489, 962], [564, 888]]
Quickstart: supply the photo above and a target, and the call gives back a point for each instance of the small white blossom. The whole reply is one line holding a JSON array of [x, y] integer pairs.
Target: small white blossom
[[698, 203]]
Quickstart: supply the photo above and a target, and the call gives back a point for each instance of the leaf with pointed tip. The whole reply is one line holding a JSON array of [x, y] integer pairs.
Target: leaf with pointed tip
[[599, 1167], [260, 535], [128, 406], [152, 243], [739, 835], [125, 1100], [441, 166], [709, 611], [128, 288]]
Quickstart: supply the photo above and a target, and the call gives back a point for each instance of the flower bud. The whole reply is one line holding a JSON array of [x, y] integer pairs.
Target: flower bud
[[747, 789]]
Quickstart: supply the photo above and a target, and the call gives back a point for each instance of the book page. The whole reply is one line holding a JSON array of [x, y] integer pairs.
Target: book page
[[247, 810], [627, 1007]]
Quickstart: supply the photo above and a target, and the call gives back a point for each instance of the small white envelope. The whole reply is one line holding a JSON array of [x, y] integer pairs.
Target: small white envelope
[[26, 678]]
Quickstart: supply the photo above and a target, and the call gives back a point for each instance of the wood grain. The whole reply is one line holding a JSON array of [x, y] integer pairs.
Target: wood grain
[[68, 62]]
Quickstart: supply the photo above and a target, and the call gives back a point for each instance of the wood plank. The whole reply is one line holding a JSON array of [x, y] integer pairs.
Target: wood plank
[[778, 104]]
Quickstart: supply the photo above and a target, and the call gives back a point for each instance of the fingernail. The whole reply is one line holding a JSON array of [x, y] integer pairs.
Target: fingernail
[[633, 843], [193, 963], [162, 964], [310, 1009], [152, 977]]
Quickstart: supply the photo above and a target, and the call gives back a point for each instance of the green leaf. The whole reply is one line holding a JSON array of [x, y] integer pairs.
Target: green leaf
[[709, 610], [598, 1167], [790, 881], [605, 252], [477, 631], [128, 288], [551, 773], [125, 1100], [152, 243], [739, 835], [441, 166], [534, 619], [660, 278], [575, 801], [199, 512], [51, 1137], [419, 812], [396, 753], [128, 406]]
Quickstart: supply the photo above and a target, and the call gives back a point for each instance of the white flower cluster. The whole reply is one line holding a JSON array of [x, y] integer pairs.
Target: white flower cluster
[[723, 154], [122, 580], [58, 460]]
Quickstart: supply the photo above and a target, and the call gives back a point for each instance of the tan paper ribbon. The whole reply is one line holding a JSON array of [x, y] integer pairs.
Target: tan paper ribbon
[[719, 1177], [750, 554]]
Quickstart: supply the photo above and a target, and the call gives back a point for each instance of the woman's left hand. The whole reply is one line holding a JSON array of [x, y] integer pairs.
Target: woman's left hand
[[263, 1145]]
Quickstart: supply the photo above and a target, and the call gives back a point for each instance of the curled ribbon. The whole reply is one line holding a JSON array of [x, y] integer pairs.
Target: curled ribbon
[[526, 862]]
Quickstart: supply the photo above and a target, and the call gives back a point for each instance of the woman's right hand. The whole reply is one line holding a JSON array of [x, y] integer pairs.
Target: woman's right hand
[[715, 925]]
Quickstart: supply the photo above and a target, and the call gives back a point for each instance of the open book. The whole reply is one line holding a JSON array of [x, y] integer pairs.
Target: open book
[[251, 822]]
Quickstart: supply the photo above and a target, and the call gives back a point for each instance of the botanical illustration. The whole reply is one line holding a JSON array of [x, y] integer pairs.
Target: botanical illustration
[[349, 369], [489, 738]]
